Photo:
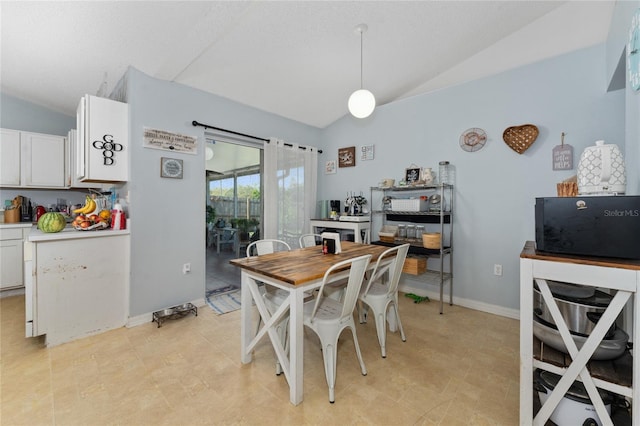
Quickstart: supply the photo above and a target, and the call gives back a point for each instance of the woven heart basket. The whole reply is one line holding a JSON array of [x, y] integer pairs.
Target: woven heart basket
[[520, 138]]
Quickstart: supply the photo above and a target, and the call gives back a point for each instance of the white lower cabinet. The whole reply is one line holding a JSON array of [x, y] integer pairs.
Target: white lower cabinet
[[77, 284], [33, 160], [11, 246]]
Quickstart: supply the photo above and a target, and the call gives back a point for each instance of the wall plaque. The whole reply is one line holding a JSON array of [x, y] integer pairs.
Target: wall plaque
[[160, 139], [562, 156], [347, 157]]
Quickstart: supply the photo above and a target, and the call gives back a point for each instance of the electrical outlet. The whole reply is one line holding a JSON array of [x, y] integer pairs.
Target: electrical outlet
[[186, 268], [497, 269]]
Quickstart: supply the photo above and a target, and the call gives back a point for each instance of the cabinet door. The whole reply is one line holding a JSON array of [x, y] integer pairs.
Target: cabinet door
[[44, 160], [11, 264], [9, 157], [75, 162], [106, 140]]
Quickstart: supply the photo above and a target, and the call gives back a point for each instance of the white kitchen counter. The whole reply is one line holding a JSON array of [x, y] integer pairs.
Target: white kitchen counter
[[16, 225], [70, 233]]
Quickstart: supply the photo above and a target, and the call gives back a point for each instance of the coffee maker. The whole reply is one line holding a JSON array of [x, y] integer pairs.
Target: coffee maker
[[25, 208], [334, 206]]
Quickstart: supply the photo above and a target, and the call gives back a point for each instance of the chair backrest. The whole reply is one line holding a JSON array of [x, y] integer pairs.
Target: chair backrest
[[356, 274], [309, 240], [266, 246], [394, 267]]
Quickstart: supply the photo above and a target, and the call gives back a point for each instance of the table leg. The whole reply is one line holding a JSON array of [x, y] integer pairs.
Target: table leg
[[296, 349], [246, 328]]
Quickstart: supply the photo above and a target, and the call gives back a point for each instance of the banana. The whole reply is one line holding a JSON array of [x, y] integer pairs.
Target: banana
[[81, 209], [92, 206], [89, 206]]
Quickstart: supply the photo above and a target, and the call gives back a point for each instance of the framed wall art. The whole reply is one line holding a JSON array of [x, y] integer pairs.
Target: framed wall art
[[347, 157], [412, 175], [366, 152], [330, 167], [171, 168]]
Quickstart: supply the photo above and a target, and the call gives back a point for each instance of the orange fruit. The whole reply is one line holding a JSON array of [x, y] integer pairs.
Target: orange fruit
[[105, 214]]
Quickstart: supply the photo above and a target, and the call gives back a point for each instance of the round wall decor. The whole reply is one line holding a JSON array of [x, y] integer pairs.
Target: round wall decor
[[473, 139]]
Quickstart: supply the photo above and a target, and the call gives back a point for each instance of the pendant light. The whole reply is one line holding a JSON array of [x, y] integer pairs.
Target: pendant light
[[361, 102]]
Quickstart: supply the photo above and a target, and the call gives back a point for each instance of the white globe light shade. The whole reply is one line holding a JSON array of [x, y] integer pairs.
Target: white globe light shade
[[361, 103], [208, 153]]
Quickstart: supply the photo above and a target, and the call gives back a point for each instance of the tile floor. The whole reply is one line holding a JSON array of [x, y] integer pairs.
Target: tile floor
[[460, 368], [218, 271]]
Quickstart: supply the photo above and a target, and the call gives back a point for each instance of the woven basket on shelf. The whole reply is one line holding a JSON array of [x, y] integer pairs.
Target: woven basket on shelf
[[431, 240], [520, 138]]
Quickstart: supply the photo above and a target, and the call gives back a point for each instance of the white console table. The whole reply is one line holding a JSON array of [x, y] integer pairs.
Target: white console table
[[356, 227], [620, 275]]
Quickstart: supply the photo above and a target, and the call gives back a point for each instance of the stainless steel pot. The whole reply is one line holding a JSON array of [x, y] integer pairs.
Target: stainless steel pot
[[581, 308]]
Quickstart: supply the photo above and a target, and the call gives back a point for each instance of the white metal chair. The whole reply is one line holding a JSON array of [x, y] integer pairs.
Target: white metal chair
[[309, 240], [267, 246], [328, 317], [382, 295], [273, 297]]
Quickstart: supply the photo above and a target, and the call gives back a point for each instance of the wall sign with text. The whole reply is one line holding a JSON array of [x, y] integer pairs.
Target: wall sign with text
[[160, 139]]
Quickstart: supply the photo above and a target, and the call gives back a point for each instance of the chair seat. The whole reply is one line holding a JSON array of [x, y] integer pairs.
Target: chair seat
[[328, 311], [377, 289]]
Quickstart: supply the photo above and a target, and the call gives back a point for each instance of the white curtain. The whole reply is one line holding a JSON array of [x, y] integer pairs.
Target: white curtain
[[290, 184]]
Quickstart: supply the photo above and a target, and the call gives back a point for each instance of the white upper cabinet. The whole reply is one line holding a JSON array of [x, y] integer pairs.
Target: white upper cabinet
[[33, 160], [102, 146], [9, 157], [75, 182], [44, 160]]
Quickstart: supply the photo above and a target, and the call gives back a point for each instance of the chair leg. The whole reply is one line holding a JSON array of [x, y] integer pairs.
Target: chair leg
[[363, 310], [395, 308], [363, 369], [329, 353], [381, 330]]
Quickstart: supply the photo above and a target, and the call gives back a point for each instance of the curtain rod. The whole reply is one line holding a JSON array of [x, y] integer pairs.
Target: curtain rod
[[206, 126]]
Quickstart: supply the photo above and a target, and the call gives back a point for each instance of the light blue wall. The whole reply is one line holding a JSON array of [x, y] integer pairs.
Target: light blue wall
[[496, 187], [168, 215], [618, 38], [18, 114]]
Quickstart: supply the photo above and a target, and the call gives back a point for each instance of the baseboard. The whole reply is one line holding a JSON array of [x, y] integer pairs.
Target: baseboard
[[148, 317], [12, 292], [466, 303]]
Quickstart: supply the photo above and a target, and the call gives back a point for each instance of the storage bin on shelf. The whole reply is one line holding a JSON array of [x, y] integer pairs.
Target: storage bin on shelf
[[415, 265], [388, 233], [431, 240], [409, 204]]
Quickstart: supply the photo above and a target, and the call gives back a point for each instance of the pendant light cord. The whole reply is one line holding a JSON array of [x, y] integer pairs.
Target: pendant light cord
[[361, 85]]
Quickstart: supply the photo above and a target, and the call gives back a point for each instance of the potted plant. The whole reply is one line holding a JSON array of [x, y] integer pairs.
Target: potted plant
[[211, 215], [244, 226]]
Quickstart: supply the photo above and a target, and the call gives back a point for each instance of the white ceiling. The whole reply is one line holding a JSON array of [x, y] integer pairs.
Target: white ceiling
[[296, 59]]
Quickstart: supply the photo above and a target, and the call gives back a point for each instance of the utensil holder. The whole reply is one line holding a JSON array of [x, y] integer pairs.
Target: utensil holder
[[12, 216]]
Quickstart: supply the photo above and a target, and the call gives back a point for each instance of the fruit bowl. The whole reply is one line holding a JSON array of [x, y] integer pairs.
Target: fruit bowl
[[94, 227]]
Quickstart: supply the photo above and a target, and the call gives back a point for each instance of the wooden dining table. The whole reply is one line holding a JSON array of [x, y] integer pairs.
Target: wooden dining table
[[295, 271]]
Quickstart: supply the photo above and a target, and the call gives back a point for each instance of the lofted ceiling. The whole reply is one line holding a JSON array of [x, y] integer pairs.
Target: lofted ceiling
[[296, 59]]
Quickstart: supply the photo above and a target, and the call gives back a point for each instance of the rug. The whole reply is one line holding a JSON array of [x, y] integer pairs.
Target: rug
[[224, 300]]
